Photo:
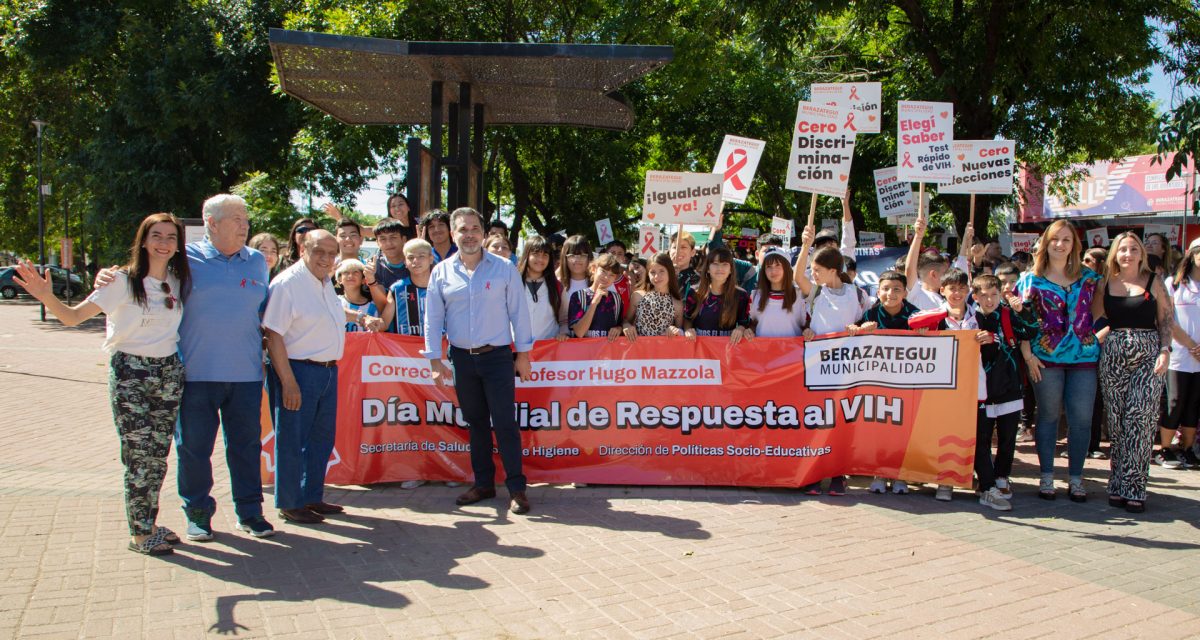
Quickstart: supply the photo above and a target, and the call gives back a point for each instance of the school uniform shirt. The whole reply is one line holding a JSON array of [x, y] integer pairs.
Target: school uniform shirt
[[968, 323], [367, 308], [607, 315], [410, 308], [885, 320], [773, 321], [708, 321], [307, 313], [543, 317], [1005, 389], [1186, 297], [151, 331], [387, 274], [925, 300], [831, 311]]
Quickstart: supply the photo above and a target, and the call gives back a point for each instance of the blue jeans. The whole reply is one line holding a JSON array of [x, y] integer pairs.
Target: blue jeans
[[1076, 390], [304, 438], [486, 388], [237, 408]]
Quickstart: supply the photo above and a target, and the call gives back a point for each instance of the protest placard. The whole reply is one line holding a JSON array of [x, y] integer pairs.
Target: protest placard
[[862, 98], [906, 219], [822, 149], [737, 162], [895, 198], [648, 241], [673, 197], [1098, 238], [981, 166], [828, 223], [604, 231], [870, 239], [784, 228], [1171, 231], [1023, 242], [924, 133]]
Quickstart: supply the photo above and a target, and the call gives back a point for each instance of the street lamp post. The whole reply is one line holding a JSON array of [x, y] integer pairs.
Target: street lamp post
[[40, 124]]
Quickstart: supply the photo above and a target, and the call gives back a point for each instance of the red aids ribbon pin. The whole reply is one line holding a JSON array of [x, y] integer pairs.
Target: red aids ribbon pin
[[487, 285], [854, 93], [850, 122], [907, 161], [732, 167]]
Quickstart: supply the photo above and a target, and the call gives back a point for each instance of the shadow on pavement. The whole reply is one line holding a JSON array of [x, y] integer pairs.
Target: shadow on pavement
[[369, 551]]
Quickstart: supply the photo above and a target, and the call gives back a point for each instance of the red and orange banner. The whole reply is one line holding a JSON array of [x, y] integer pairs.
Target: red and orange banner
[[668, 411]]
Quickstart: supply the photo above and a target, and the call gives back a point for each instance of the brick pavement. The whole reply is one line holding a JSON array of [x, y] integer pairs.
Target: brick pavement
[[604, 562]]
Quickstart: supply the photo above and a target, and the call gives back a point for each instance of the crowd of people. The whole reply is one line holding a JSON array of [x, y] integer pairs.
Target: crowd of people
[[1102, 337]]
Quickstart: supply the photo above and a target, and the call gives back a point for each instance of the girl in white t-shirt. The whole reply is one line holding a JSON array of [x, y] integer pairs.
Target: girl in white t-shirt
[[543, 293], [834, 303], [776, 306], [1183, 372], [142, 307], [573, 272]]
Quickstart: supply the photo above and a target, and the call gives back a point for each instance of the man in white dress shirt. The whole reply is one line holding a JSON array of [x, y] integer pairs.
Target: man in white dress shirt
[[306, 330]]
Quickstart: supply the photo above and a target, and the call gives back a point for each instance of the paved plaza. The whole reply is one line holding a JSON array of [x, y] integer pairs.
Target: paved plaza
[[594, 562]]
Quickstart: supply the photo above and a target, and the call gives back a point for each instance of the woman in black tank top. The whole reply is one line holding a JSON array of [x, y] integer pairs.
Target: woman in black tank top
[[1133, 365]]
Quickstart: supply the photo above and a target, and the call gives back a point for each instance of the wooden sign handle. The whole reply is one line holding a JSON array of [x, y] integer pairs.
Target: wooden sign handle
[[812, 210]]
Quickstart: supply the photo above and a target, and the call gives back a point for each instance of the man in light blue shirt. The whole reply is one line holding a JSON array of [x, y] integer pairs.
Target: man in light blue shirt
[[221, 343], [478, 300]]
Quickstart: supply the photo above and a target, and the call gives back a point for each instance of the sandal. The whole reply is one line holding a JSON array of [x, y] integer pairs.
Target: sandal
[[1077, 492], [1135, 506], [155, 545], [168, 536], [1046, 489], [1116, 501]]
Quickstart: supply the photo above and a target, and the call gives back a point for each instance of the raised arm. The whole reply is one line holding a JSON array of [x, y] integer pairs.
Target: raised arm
[[798, 272], [849, 238], [911, 273], [39, 286]]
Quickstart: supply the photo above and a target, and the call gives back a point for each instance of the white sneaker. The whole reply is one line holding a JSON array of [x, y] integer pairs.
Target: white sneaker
[[454, 483], [1004, 486], [411, 484], [992, 498], [899, 487], [878, 485], [945, 493]]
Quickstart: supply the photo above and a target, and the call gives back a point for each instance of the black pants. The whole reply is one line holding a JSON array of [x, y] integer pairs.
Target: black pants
[[1006, 427], [486, 393]]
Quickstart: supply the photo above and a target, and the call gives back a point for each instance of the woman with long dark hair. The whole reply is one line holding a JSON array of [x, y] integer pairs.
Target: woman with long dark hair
[[397, 209], [543, 293], [718, 307], [142, 307], [296, 241]]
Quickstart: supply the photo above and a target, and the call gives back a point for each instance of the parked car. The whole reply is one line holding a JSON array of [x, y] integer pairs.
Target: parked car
[[9, 289]]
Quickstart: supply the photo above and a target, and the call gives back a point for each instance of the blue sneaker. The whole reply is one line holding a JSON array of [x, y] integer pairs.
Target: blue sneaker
[[199, 525], [256, 526]]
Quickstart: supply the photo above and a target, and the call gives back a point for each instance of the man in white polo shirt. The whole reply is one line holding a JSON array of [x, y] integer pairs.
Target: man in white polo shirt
[[306, 330]]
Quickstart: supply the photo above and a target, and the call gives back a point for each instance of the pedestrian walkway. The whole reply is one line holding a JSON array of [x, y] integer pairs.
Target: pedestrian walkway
[[594, 562]]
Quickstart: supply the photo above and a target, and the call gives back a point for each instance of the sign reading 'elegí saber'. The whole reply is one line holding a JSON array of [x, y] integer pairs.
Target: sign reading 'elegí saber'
[[771, 412]]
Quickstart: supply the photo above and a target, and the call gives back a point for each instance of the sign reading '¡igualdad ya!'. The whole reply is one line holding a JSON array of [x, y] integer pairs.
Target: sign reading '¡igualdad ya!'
[[822, 150], [674, 197]]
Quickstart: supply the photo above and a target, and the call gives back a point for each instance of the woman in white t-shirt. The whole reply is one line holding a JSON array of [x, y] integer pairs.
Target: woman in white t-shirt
[[1183, 372], [142, 308], [543, 293], [776, 307]]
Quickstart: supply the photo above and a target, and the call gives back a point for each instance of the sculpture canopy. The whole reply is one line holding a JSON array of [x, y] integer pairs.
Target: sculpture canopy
[[360, 80]]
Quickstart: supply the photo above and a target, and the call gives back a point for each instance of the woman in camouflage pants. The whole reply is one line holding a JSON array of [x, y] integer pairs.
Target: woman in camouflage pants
[[145, 379]]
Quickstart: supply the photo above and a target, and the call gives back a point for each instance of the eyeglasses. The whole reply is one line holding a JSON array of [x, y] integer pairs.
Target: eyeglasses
[[170, 301]]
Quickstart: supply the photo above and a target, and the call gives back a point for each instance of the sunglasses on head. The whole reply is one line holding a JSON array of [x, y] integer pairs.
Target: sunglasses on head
[[303, 230], [170, 301]]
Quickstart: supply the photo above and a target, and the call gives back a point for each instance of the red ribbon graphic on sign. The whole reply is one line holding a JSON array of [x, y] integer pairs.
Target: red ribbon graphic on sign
[[854, 93], [708, 212], [907, 162], [732, 167], [649, 246], [850, 122]]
